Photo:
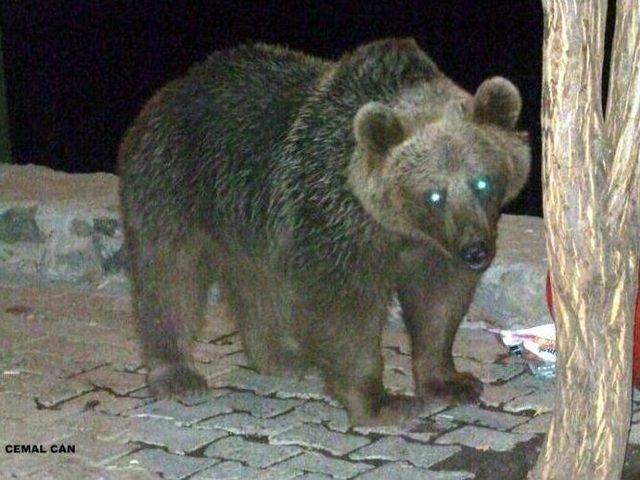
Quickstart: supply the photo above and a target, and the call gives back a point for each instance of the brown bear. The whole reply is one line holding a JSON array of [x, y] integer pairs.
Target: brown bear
[[312, 191]]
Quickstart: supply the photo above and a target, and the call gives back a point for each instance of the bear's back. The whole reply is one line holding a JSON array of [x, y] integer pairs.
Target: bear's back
[[255, 91], [213, 131]]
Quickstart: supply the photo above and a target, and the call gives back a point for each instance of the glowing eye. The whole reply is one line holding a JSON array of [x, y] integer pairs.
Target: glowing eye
[[435, 197], [481, 185]]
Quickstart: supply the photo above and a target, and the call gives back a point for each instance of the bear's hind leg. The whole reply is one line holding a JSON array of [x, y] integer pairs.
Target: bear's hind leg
[[170, 285], [258, 301]]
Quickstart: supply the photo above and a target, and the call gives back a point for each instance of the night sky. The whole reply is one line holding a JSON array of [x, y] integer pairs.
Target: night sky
[[77, 72]]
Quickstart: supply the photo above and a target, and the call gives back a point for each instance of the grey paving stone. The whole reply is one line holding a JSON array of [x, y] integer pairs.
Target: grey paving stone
[[420, 430], [19, 431], [96, 451], [100, 401], [204, 352], [63, 467], [129, 472], [538, 424], [489, 372], [255, 454], [121, 383], [314, 411], [472, 414], [99, 352], [16, 406], [527, 382], [61, 392], [181, 414], [74, 468], [497, 395], [398, 381], [45, 363], [398, 340], [406, 471], [478, 344], [393, 430], [176, 439], [245, 424], [394, 359], [81, 330], [433, 407], [307, 388], [246, 379], [100, 426], [439, 424], [217, 368], [143, 393], [319, 437], [283, 387], [540, 401], [257, 406], [49, 390], [236, 471], [484, 438], [174, 467], [313, 476], [314, 462], [211, 394], [18, 466], [399, 449]]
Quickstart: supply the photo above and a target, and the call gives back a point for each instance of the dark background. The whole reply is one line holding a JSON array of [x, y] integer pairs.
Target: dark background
[[77, 72]]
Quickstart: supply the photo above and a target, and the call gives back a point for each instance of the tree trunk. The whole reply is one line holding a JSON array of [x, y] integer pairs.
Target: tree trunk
[[590, 185]]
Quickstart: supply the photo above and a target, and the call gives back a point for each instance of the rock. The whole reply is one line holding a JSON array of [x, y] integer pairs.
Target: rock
[[56, 226], [511, 293]]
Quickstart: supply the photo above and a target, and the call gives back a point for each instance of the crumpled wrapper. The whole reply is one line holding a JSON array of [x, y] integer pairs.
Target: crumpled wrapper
[[540, 341]]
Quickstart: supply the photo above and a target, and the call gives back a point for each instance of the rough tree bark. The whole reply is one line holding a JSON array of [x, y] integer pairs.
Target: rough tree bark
[[591, 191]]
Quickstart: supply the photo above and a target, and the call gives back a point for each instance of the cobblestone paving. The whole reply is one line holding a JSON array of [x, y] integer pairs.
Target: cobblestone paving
[[70, 376]]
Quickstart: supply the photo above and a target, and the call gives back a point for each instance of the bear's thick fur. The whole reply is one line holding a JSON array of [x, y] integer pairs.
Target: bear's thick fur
[[312, 191]]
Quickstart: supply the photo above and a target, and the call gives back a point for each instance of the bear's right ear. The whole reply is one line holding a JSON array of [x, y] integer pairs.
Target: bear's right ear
[[497, 101], [377, 128]]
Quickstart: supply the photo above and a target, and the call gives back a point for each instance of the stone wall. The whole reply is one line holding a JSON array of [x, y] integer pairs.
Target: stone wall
[[56, 226]]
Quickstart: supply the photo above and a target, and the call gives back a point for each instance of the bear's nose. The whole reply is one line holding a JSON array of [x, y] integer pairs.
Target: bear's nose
[[476, 255]]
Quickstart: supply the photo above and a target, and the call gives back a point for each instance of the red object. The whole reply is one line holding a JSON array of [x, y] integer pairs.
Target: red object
[[636, 331]]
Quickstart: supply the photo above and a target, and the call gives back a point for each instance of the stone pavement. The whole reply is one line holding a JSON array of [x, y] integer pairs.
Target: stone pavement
[[71, 378]]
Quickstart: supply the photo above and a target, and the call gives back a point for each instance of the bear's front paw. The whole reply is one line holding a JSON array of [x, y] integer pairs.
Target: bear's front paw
[[176, 381], [458, 388]]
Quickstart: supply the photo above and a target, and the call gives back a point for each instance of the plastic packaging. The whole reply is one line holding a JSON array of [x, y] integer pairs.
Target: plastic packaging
[[537, 346]]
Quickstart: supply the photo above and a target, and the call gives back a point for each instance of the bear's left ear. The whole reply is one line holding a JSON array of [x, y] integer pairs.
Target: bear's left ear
[[497, 101], [377, 128]]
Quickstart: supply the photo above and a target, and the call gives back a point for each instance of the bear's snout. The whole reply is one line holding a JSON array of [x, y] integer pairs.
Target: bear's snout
[[477, 255]]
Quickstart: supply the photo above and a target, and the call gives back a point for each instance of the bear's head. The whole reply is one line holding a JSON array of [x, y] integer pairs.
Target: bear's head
[[443, 181]]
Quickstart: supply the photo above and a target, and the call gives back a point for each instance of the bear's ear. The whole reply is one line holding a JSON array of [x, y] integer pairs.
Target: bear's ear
[[377, 128], [497, 101]]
